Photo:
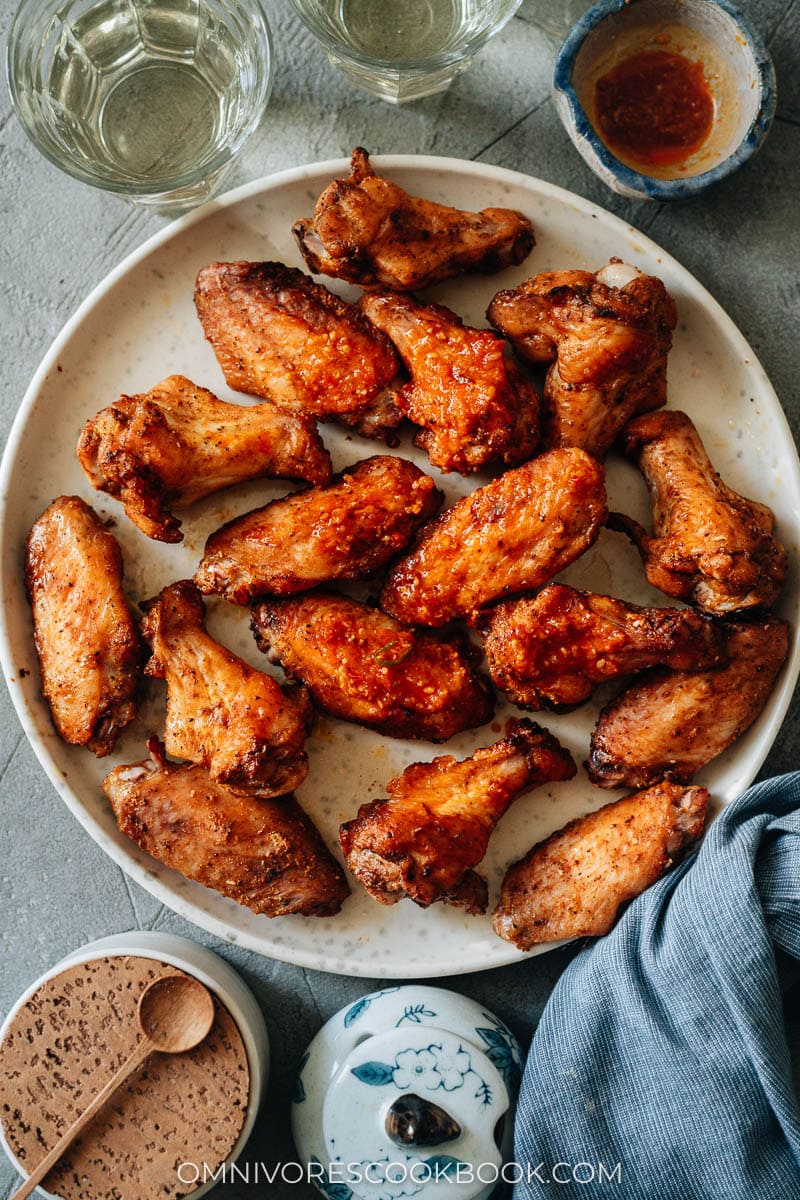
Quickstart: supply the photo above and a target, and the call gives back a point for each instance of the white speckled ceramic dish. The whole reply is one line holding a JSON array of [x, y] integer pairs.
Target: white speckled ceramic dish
[[139, 325]]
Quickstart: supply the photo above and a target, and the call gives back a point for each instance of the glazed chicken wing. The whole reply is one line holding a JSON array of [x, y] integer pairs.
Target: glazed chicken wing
[[178, 443], [348, 530], [260, 852], [474, 405], [607, 336], [278, 334], [90, 654], [515, 533], [425, 840], [368, 231], [710, 545], [554, 649], [221, 713], [573, 884], [363, 666], [670, 724]]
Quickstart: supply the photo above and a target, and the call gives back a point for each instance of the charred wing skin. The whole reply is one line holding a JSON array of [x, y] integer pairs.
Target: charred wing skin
[[668, 725], [573, 884], [348, 530], [221, 713], [263, 853], [512, 535], [710, 546], [90, 654], [278, 334], [551, 651], [367, 230], [178, 443], [474, 406], [363, 666], [425, 840]]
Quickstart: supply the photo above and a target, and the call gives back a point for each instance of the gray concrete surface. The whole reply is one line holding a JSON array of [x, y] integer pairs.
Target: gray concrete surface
[[59, 239]]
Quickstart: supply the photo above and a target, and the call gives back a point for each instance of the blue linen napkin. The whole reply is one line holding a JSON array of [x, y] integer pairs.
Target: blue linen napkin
[[662, 1052]]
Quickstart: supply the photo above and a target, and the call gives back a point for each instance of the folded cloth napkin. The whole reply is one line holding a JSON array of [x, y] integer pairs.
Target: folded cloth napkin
[[660, 1067]]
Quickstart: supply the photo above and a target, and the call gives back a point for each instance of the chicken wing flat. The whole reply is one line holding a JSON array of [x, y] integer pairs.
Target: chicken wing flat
[[573, 884], [90, 654], [178, 443], [710, 545], [363, 666], [554, 649], [670, 724], [609, 334], [368, 231], [263, 853], [474, 406], [221, 713], [278, 334], [425, 840], [348, 530], [515, 533]]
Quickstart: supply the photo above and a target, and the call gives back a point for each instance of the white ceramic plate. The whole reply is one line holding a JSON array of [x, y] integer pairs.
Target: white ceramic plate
[[139, 325]]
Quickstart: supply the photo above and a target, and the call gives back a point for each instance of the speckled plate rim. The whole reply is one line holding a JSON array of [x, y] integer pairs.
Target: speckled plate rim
[[127, 859]]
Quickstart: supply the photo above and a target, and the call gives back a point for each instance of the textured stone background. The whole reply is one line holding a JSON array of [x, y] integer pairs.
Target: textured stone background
[[59, 239]]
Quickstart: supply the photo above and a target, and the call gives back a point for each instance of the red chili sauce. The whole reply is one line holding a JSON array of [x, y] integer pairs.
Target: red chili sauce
[[655, 107]]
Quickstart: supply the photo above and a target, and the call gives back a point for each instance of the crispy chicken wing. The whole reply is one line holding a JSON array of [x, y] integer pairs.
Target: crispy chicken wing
[[280, 335], [670, 724], [368, 231], [554, 649], [572, 884], [515, 533], [710, 545], [348, 530], [221, 713], [474, 405], [425, 840], [609, 334], [363, 666], [90, 654], [178, 443], [260, 852]]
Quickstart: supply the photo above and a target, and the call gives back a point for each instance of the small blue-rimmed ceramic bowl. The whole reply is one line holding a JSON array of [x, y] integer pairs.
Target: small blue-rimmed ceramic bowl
[[736, 65]]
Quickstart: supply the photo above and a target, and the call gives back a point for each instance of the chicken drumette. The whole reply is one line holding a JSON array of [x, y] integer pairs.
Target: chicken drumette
[[178, 443], [609, 334], [279, 335], [425, 840], [474, 406], [90, 654], [368, 231]]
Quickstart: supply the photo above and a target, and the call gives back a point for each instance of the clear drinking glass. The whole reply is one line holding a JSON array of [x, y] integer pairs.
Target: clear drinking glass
[[147, 98], [403, 49]]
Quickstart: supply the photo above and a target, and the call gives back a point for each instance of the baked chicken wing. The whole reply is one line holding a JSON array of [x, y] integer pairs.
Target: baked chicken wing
[[278, 334], [348, 530], [425, 840], [178, 443], [363, 666], [710, 546], [368, 231], [90, 654], [260, 852], [573, 884], [474, 406], [607, 335], [221, 713], [552, 650], [515, 533], [668, 725]]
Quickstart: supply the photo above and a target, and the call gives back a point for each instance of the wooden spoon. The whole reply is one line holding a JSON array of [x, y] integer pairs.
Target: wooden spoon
[[175, 1014]]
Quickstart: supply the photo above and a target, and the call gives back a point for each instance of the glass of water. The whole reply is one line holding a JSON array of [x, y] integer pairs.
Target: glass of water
[[147, 98], [403, 49]]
